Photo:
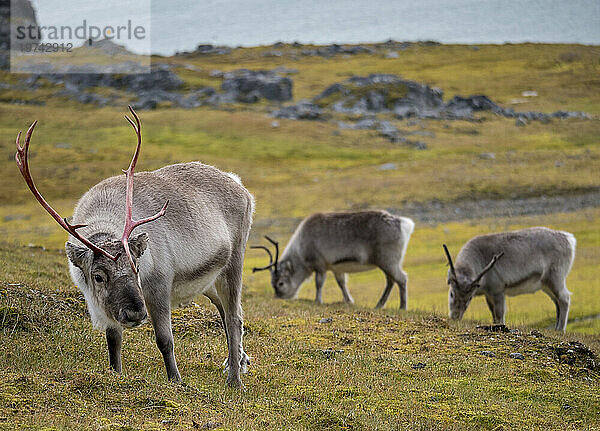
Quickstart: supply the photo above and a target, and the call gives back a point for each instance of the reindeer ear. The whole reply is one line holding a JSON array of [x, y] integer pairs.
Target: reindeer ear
[[138, 244], [79, 256]]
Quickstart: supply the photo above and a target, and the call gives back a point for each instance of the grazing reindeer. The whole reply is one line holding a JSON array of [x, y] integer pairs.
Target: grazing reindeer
[[512, 263], [196, 246], [342, 242]]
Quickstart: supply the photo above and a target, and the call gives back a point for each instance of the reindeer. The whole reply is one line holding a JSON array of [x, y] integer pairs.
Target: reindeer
[[512, 263], [196, 246], [342, 243]]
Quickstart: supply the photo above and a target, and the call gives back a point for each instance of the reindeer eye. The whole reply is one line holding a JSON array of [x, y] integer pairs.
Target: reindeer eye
[[98, 278]]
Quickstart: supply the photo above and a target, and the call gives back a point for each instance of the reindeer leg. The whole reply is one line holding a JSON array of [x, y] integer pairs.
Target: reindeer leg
[[214, 298], [557, 290], [341, 281], [160, 316], [319, 281], [386, 292], [402, 280], [230, 295], [114, 340], [563, 304], [497, 305], [216, 301]]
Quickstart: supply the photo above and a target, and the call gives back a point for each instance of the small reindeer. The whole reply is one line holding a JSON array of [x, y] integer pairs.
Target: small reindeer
[[342, 243], [196, 247], [512, 263]]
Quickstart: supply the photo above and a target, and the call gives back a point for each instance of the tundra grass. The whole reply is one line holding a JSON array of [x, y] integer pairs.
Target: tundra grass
[[359, 369], [302, 167]]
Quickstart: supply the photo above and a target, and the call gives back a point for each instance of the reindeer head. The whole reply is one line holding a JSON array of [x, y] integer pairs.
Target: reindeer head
[[112, 285], [281, 272], [109, 267], [463, 285]]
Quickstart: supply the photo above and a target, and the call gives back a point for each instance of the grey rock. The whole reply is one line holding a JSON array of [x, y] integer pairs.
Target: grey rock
[[196, 98], [417, 144], [382, 93], [521, 121], [387, 130], [207, 49], [303, 110], [487, 156], [516, 356], [285, 70], [487, 353], [365, 124], [388, 167], [272, 53], [335, 49], [250, 86], [326, 320]]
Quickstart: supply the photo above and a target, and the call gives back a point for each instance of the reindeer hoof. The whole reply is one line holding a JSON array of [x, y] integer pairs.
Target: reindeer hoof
[[244, 362]]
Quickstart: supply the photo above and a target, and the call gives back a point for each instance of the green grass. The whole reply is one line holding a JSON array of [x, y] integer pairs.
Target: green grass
[[53, 370], [355, 372]]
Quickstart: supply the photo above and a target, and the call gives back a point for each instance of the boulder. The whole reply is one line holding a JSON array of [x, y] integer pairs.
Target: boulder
[[382, 93], [208, 49], [335, 49], [387, 130], [303, 110], [250, 86], [160, 77]]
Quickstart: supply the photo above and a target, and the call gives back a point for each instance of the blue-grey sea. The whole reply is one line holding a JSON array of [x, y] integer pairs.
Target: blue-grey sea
[[178, 25]]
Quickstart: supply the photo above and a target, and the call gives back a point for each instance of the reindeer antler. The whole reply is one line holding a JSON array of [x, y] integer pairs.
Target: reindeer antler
[[131, 224], [271, 263], [488, 267], [450, 262], [22, 160], [21, 157]]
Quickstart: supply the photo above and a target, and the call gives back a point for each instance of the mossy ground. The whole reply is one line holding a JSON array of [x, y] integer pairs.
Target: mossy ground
[[361, 370], [357, 371]]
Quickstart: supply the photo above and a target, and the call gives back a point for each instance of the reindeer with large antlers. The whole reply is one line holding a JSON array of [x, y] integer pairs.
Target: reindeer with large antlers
[[512, 263], [194, 246]]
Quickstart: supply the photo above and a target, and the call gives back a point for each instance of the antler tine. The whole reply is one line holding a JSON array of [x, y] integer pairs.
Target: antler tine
[[450, 261], [270, 258], [137, 127], [276, 244], [131, 224], [488, 267], [22, 159]]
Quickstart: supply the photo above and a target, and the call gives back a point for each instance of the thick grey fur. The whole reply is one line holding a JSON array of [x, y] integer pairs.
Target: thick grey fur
[[197, 247], [534, 258], [344, 242]]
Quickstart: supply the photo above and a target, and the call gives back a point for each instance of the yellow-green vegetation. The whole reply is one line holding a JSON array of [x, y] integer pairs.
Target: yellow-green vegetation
[[392, 91], [355, 372], [359, 370]]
